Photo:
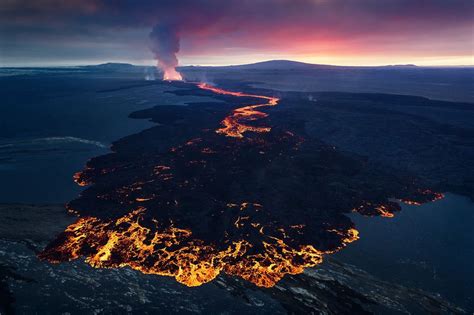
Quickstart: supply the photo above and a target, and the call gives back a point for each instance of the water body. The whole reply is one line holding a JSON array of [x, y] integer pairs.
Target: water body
[[428, 247], [51, 124], [39, 170], [50, 127]]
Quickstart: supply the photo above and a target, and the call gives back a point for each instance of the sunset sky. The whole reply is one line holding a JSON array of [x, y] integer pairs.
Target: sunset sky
[[216, 32]]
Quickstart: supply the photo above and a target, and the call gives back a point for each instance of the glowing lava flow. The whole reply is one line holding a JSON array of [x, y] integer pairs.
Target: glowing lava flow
[[127, 242], [213, 205], [233, 126]]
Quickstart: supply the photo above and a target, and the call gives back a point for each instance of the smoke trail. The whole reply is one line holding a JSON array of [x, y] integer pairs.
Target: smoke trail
[[165, 45]]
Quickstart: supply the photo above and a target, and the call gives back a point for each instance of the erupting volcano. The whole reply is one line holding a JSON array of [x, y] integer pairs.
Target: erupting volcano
[[277, 156]]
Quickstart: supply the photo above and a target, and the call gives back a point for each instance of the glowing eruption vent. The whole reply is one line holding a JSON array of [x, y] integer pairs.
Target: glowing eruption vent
[[170, 74]]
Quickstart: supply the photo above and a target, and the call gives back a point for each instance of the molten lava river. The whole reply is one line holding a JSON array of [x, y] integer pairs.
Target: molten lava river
[[248, 198]]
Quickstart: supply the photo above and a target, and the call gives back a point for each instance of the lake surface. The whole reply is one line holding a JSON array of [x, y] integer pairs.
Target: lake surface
[[51, 124], [428, 247], [50, 127]]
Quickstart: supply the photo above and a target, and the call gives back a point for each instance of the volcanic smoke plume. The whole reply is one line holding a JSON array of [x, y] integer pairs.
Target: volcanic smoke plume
[[165, 45]]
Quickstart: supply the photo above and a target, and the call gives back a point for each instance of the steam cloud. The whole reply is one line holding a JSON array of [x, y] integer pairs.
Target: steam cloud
[[165, 45]]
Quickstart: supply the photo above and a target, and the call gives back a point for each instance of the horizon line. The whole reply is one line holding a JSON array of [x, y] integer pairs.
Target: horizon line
[[79, 64]]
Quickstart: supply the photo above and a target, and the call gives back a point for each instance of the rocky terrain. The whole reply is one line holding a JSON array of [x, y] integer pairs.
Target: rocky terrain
[[30, 285]]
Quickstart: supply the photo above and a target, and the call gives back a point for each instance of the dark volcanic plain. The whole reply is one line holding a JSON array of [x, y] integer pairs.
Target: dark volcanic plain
[[259, 206]]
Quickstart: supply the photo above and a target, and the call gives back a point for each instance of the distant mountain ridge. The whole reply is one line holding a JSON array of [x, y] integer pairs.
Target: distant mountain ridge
[[294, 65], [280, 64], [112, 66], [264, 65]]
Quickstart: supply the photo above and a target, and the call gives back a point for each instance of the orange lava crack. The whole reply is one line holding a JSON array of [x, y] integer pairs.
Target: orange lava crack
[[233, 125]]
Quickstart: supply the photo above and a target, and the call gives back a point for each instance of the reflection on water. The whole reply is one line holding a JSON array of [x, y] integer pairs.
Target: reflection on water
[[428, 246]]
